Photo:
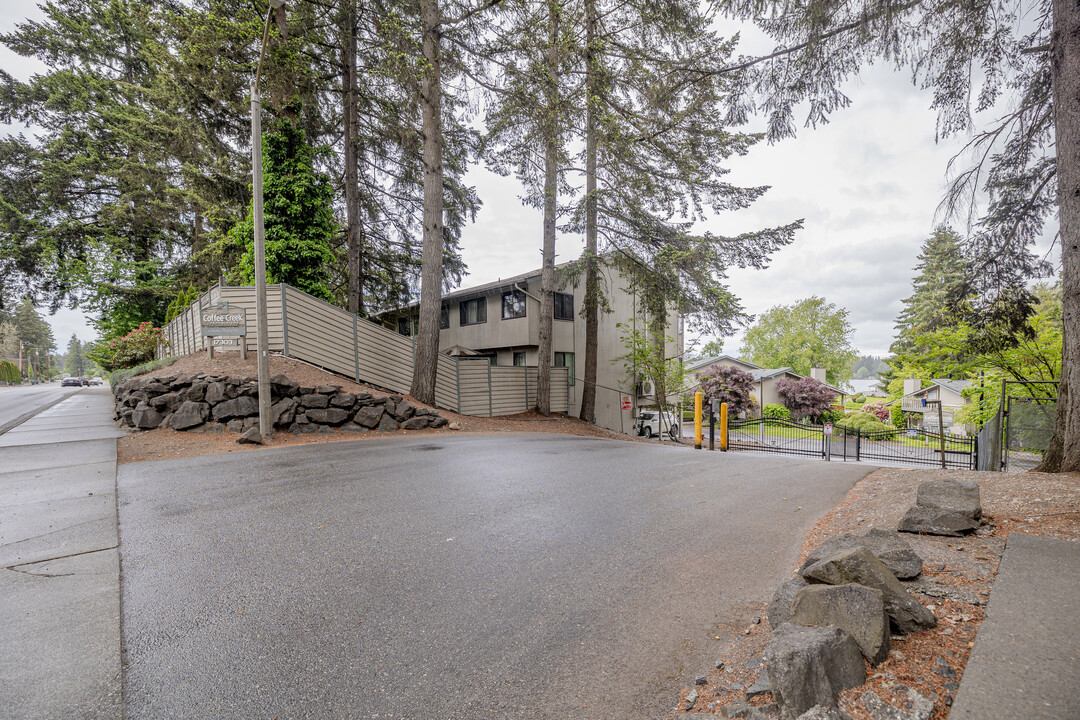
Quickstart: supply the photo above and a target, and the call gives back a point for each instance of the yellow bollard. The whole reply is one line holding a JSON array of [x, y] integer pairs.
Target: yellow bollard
[[723, 426], [697, 421]]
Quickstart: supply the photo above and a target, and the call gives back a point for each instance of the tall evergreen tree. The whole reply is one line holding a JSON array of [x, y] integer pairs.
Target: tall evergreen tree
[[941, 272], [978, 56]]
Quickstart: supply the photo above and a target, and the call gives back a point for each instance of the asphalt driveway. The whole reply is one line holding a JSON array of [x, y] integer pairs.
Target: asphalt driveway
[[471, 576]]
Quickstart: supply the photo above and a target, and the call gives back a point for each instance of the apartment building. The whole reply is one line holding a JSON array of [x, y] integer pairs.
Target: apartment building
[[501, 321]]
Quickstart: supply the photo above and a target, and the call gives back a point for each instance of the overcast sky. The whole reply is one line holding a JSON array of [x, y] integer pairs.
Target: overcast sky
[[867, 186]]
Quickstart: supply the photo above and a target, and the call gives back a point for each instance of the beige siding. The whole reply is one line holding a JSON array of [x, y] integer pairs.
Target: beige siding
[[322, 334]]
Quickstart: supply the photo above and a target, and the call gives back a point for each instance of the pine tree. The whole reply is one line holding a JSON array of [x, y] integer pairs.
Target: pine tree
[[941, 273]]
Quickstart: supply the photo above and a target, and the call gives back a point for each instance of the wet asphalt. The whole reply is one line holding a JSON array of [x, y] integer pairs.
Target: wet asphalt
[[448, 576]]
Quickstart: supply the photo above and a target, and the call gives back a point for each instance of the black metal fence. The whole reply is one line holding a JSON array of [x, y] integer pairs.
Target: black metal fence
[[1029, 425], [776, 436], [896, 447]]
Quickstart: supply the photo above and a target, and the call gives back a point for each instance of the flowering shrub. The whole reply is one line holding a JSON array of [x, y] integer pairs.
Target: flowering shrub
[[878, 410], [138, 346], [773, 411]]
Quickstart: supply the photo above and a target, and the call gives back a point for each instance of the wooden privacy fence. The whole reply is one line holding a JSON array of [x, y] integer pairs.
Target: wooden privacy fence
[[306, 328]]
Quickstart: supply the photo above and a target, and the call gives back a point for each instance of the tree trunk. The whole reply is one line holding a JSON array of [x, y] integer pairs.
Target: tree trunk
[[431, 270], [1064, 452], [547, 275], [352, 193], [592, 280]]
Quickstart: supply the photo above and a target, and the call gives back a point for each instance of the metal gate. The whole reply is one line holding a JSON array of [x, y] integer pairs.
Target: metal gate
[[894, 447], [1029, 425]]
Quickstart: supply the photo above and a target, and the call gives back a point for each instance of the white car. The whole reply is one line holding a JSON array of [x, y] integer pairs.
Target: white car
[[648, 424]]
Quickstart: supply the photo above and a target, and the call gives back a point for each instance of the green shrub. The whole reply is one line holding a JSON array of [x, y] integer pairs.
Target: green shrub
[[863, 422], [832, 416], [858, 400], [896, 415], [136, 347], [772, 411], [121, 375], [9, 373]]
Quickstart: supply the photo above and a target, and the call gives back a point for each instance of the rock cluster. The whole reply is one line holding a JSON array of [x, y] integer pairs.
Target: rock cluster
[[204, 403], [944, 507], [841, 608]]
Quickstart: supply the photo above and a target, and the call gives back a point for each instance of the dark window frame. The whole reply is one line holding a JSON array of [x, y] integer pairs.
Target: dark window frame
[[561, 300], [570, 368], [517, 354], [481, 311], [515, 294]]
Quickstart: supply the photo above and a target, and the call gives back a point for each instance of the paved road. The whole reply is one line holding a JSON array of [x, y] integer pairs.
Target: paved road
[[498, 576], [18, 400], [59, 566]]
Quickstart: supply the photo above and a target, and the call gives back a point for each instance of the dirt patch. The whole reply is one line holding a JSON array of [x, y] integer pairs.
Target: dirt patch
[[957, 581], [166, 443]]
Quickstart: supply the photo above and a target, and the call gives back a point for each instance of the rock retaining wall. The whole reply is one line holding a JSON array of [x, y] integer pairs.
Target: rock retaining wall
[[213, 403]]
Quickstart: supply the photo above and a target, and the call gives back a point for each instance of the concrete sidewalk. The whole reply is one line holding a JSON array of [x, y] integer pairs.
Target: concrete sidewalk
[[1026, 661], [60, 577]]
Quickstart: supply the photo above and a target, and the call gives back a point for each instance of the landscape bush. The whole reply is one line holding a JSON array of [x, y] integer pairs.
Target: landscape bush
[[831, 416], [120, 376], [9, 373], [863, 422], [136, 347], [772, 411], [896, 415], [805, 397], [728, 384], [878, 410]]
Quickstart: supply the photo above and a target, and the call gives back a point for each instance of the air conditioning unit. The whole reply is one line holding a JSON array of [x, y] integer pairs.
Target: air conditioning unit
[[646, 388]]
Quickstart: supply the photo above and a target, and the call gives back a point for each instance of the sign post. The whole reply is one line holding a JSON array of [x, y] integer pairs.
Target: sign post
[[626, 404], [225, 327]]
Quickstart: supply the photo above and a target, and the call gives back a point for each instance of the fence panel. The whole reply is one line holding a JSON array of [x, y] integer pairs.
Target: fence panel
[[917, 447], [508, 390], [776, 436], [473, 383]]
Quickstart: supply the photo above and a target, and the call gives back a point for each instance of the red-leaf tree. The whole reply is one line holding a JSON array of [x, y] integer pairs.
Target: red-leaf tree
[[732, 385], [805, 397]]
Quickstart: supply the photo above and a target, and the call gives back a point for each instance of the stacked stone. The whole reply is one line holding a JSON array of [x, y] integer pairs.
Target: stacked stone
[[213, 403], [843, 606]]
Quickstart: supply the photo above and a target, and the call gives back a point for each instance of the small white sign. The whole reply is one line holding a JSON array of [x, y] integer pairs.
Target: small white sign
[[828, 428]]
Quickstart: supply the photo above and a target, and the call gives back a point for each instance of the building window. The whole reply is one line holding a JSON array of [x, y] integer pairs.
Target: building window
[[519, 358], [513, 304], [408, 326], [473, 312], [444, 317], [564, 307], [566, 360]]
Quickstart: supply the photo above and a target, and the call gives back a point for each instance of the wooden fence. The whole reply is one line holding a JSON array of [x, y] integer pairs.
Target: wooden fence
[[304, 327]]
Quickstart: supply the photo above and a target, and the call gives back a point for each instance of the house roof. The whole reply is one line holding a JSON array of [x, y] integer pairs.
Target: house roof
[[957, 386], [758, 373], [706, 362]]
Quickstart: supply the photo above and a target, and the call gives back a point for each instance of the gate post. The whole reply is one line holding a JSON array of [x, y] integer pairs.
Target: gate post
[[827, 450], [723, 427], [858, 444]]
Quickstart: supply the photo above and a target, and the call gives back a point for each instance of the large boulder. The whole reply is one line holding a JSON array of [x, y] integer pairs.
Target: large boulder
[[809, 666], [145, 417], [167, 402], [344, 401], [282, 386], [388, 423], [936, 521], [283, 410], [403, 411], [437, 422], [858, 565], [418, 422], [237, 407], [369, 416], [779, 610], [960, 496], [189, 415], [858, 609], [327, 389], [314, 400], [327, 416], [251, 436], [216, 392], [887, 546], [197, 392]]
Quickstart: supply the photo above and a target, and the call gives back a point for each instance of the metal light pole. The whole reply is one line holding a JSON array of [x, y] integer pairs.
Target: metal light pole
[[266, 426]]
